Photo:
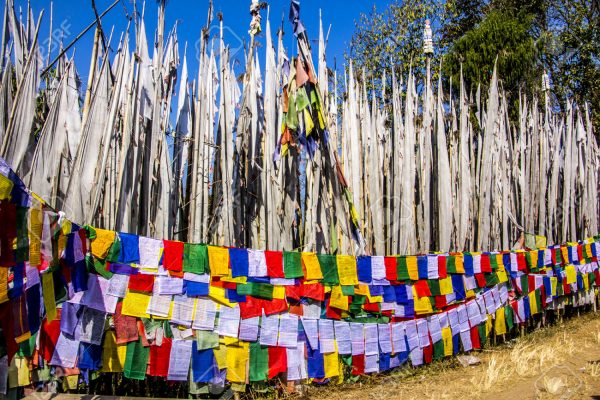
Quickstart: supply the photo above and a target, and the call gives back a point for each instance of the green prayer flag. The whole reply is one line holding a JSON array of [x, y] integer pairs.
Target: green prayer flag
[[528, 260], [22, 249], [291, 118], [558, 255], [347, 290], [329, 270], [493, 262], [451, 264], [259, 362], [262, 290], [302, 100], [292, 264], [90, 232], [491, 279], [434, 287], [482, 335], [114, 251], [136, 360], [508, 316], [438, 350], [27, 347], [207, 340], [402, 268], [525, 284], [195, 258], [98, 265]]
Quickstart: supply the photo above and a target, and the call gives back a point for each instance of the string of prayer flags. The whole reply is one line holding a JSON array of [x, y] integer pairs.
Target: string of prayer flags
[[96, 300]]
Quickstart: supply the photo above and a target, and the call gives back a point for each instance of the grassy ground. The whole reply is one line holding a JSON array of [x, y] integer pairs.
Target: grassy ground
[[561, 361]]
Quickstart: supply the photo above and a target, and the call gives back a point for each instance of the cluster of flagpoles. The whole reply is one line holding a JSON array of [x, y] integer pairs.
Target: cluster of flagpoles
[[271, 164]]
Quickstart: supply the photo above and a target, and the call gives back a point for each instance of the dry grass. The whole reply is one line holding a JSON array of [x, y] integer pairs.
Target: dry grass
[[545, 362]]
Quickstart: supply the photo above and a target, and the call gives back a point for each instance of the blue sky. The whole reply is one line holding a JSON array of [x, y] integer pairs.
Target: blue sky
[[71, 16]]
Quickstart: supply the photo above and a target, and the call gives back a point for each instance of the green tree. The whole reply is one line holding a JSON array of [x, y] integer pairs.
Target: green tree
[[393, 38], [502, 35], [572, 55]]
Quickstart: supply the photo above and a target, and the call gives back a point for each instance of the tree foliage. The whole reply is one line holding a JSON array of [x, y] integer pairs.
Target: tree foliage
[[499, 37], [393, 38], [526, 36]]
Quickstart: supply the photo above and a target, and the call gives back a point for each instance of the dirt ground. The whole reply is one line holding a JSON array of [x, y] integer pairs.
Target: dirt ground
[[557, 362]]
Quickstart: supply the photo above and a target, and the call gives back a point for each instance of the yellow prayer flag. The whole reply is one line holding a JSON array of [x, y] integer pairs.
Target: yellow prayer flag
[[48, 294], [135, 304], [412, 268], [565, 253], [331, 364], [446, 286], [447, 339], [571, 274], [18, 372], [500, 260], [237, 362], [62, 243], [372, 299], [500, 323], [279, 292], [239, 279], [501, 272], [470, 294], [101, 245], [488, 325], [218, 260], [35, 235], [362, 290], [532, 303], [459, 262], [6, 187], [72, 382], [554, 284], [218, 294], [312, 266], [3, 285], [338, 300], [422, 304], [113, 355], [533, 254], [66, 227], [221, 355], [309, 124], [347, 270]]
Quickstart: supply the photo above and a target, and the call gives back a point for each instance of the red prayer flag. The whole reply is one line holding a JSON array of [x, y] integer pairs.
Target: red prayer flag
[[277, 361], [428, 353], [173, 255], [486, 266], [480, 278], [475, 337], [358, 364], [391, 271], [141, 283], [422, 288], [274, 261], [274, 306], [158, 363], [440, 302], [442, 272], [251, 308], [314, 291]]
